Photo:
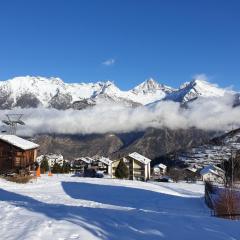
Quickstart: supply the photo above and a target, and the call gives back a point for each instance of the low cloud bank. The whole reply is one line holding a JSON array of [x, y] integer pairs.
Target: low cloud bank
[[205, 114]]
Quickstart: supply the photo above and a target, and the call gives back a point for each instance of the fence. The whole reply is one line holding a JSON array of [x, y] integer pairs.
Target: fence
[[223, 202]]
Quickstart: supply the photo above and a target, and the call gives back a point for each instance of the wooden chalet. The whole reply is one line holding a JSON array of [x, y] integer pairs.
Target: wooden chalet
[[80, 164], [103, 164], [16, 153]]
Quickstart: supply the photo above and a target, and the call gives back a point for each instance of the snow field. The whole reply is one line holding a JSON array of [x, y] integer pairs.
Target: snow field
[[63, 207]]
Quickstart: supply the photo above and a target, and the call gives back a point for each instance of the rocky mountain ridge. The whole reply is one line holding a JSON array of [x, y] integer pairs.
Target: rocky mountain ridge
[[28, 91]]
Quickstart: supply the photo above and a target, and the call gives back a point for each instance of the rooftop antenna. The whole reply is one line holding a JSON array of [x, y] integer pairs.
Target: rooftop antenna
[[12, 121]]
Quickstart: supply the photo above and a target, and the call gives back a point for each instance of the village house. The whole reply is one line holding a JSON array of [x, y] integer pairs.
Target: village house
[[191, 174], [159, 170], [16, 153], [81, 163], [212, 173], [96, 163], [104, 164], [99, 164], [138, 165]]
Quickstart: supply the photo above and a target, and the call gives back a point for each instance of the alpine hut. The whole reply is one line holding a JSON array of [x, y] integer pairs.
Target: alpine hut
[[16, 153]]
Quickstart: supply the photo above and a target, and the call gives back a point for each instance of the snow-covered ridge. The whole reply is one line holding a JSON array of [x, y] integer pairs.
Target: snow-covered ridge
[[197, 88], [30, 91], [46, 89]]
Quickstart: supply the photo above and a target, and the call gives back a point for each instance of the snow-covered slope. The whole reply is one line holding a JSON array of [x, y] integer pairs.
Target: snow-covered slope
[[45, 89], [196, 88], [65, 207], [149, 91]]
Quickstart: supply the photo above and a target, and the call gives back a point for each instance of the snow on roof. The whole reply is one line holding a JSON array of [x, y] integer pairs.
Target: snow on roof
[[140, 158], [162, 166], [90, 159], [84, 159], [105, 160], [18, 142], [192, 169], [212, 169]]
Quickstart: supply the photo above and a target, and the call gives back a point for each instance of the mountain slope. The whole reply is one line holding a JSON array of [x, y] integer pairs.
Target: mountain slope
[[194, 89], [150, 91], [53, 92], [151, 143], [26, 92]]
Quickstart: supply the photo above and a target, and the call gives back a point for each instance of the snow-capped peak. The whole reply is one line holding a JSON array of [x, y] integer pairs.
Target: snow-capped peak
[[206, 89], [109, 88], [30, 91], [151, 85], [197, 88]]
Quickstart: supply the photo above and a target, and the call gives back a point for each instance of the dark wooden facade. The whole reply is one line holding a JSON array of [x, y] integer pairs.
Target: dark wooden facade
[[13, 158]]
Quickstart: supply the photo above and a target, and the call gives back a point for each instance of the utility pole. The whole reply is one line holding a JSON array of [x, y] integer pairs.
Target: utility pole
[[232, 166], [232, 161]]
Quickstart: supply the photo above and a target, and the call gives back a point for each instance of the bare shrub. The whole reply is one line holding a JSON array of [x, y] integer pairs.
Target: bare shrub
[[176, 174], [19, 178], [227, 205]]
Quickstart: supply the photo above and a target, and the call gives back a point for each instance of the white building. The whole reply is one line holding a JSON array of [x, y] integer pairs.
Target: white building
[[138, 166], [212, 173], [159, 169]]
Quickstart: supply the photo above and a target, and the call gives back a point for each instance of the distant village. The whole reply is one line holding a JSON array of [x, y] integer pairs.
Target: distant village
[[217, 165], [213, 154], [203, 163], [18, 155]]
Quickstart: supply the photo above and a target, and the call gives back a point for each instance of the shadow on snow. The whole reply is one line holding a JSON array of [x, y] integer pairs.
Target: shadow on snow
[[146, 221]]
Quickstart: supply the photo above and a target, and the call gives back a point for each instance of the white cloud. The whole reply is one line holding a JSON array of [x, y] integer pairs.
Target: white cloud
[[109, 62], [201, 76], [205, 114]]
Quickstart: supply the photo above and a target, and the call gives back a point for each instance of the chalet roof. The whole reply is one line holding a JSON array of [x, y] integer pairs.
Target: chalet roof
[[18, 142], [105, 160], [140, 158], [192, 169], [162, 166], [85, 159], [212, 169]]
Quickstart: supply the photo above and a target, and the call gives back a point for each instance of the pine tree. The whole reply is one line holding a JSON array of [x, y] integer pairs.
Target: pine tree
[[56, 168], [122, 170], [44, 165], [66, 167]]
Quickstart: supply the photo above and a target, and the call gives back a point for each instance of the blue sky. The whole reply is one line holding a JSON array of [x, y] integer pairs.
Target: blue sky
[[125, 41]]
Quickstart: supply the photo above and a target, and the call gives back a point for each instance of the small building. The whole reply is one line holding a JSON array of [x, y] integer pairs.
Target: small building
[[102, 164], [16, 153], [80, 164], [191, 174], [138, 165], [212, 173], [159, 170]]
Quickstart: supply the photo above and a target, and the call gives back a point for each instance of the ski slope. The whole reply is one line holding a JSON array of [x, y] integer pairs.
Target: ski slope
[[63, 207]]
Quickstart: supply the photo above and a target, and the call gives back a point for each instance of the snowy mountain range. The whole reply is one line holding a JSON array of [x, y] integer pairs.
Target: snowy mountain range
[[32, 91]]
